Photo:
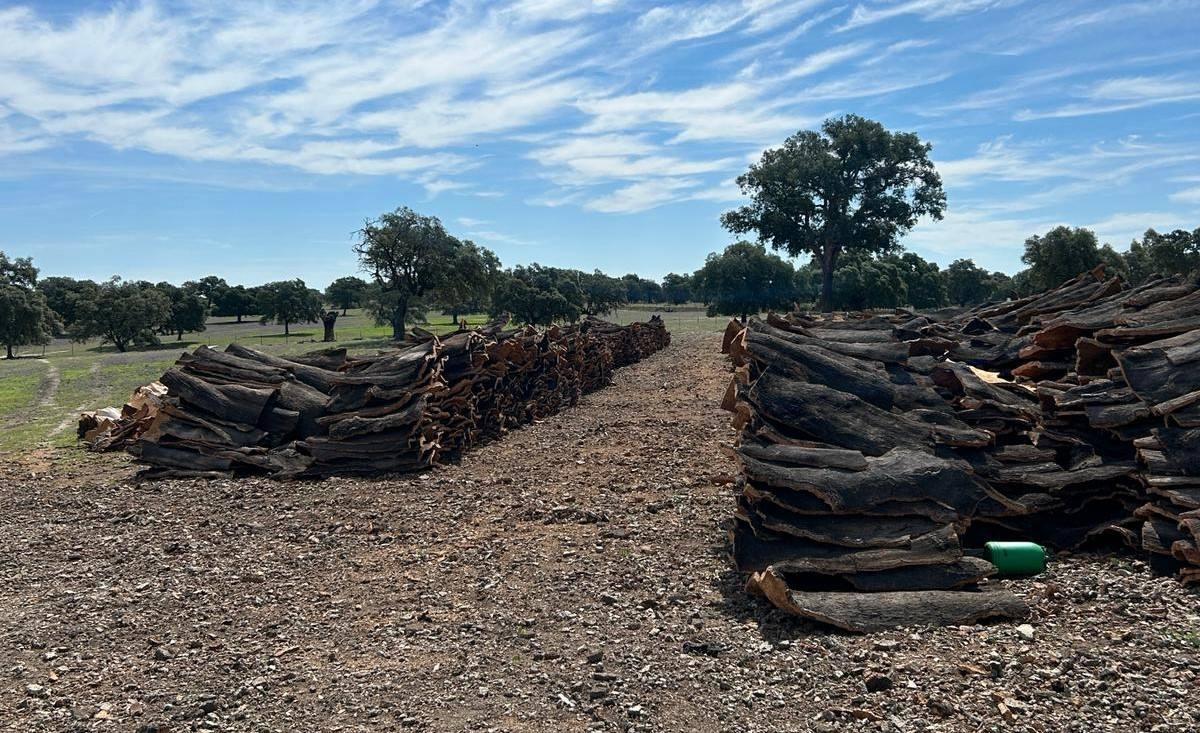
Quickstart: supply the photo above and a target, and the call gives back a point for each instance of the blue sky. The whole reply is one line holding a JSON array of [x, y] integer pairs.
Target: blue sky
[[169, 140]]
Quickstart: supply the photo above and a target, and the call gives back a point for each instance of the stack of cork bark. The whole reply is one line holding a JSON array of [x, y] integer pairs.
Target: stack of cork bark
[[240, 410], [879, 451]]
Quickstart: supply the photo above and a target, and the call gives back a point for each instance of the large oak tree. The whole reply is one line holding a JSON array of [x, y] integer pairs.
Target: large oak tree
[[412, 258], [853, 186]]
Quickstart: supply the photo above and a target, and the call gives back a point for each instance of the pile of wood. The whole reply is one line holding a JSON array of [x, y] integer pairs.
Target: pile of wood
[[243, 411], [112, 427], [879, 452]]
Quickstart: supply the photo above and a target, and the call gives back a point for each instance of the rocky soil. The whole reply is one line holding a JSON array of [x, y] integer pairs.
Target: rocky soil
[[571, 577]]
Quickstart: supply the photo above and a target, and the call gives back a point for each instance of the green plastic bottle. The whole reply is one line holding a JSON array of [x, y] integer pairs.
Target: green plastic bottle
[[1016, 558]]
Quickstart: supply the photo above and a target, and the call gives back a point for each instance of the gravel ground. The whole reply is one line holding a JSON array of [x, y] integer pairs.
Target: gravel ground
[[571, 577]]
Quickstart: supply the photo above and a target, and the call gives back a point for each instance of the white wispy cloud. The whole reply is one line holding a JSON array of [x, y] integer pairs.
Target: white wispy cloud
[[609, 105], [642, 196], [491, 237], [673, 23], [828, 58], [289, 80], [1120, 94], [737, 110], [1187, 196], [864, 15], [1094, 166], [870, 83], [774, 42]]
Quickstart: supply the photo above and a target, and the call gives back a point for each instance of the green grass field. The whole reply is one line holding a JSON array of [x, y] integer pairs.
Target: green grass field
[[42, 393]]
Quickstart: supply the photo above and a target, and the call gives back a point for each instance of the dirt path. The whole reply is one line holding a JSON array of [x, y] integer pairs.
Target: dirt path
[[48, 389], [570, 577], [71, 418]]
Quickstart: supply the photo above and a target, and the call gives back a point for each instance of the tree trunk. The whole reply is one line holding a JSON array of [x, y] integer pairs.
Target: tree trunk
[[239, 318], [827, 264], [10, 354], [453, 318], [399, 316], [328, 319], [179, 337], [285, 328], [345, 309]]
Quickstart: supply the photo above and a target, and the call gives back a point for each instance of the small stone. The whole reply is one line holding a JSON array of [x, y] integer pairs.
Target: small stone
[[1025, 631], [161, 653], [595, 656], [35, 691], [878, 682], [887, 645]]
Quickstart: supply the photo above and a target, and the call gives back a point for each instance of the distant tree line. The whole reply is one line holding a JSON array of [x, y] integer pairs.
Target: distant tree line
[[130, 313], [414, 266], [745, 278]]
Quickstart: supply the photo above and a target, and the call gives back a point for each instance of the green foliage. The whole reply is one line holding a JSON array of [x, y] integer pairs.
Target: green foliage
[[25, 319], [807, 282], [1177, 252], [209, 288], [923, 283], [602, 293], [966, 283], [382, 305], [473, 275], [19, 272], [412, 257], [676, 288], [539, 295], [1022, 284], [744, 279], [862, 282], [852, 187], [287, 302], [1059, 255], [237, 300], [1113, 261], [641, 290], [1002, 287], [189, 309], [122, 314], [64, 296], [346, 293]]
